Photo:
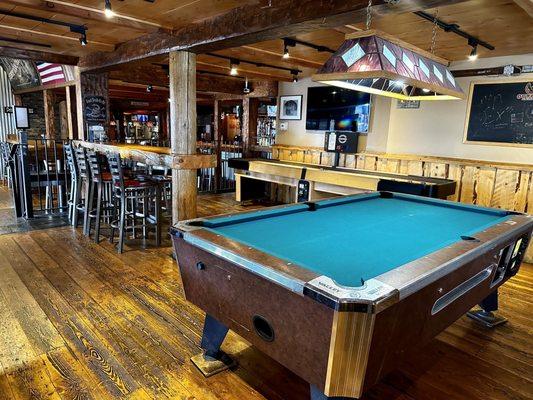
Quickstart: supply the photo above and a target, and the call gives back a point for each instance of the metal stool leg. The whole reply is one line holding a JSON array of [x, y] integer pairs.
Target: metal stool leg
[[88, 205], [98, 212], [122, 221]]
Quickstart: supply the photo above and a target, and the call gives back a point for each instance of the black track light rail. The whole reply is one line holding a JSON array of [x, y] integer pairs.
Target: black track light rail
[[18, 41], [291, 42], [472, 40], [73, 27], [256, 63]]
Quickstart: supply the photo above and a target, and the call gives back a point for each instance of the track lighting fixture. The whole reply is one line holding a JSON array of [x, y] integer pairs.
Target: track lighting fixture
[[233, 67], [108, 11], [294, 74], [286, 44], [83, 39], [149, 88], [473, 53]]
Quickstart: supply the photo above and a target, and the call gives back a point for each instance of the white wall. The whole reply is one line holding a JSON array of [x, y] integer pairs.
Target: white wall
[[296, 135], [436, 128]]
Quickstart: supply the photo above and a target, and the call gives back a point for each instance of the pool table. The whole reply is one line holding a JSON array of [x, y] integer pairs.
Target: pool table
[[340, 290]]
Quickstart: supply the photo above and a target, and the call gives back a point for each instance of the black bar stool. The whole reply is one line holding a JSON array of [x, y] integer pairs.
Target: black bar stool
[[83, 185], [135, 199], [74, 194], [101, 181]]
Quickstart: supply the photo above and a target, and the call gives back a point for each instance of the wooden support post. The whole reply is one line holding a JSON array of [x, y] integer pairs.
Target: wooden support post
[[218, 144], [79, 104], [183, 131], [63, 120], [249, 124], [49, 116], [70, 122]]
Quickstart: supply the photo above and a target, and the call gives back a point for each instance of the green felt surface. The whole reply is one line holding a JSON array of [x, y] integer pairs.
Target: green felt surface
[[356, 238]]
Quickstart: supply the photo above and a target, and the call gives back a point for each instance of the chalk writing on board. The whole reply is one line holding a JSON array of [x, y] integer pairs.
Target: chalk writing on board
[[501, 113]]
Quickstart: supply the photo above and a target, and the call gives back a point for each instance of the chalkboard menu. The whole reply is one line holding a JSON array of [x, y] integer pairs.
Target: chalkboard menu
[[95, 109], [501, 113]]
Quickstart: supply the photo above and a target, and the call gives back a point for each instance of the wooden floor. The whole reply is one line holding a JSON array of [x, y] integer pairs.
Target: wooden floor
[[78, 321]]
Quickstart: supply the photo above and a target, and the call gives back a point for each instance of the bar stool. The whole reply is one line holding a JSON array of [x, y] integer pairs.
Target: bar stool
[[101, 181], [74, 192], [161, 176], [136, 199], [83, 183]]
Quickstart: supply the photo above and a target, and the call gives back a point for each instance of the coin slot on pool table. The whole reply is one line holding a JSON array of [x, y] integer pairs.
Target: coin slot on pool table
[[263, 328]]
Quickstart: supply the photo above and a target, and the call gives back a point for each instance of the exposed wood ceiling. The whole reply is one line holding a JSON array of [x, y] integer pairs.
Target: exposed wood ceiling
[[506, 24]]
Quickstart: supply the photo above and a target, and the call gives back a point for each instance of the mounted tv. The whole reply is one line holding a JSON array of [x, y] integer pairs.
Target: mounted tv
[[336, 109]]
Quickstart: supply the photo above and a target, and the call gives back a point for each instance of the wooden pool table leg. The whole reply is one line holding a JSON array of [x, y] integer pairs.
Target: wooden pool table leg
[[212, 360], [316, 394], [485, 315]]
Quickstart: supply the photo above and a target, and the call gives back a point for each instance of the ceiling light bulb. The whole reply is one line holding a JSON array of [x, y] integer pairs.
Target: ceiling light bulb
[[233, 70], [425, 90], [286, 53], [83, 40], [473, 54], [108, 11], [295, 78]]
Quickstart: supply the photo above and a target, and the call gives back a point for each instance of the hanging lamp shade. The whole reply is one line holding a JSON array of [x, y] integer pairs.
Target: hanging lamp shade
[[375, 62]]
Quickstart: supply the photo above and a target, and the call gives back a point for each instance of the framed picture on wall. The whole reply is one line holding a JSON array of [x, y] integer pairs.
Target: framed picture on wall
[[500, 112], [290, 107]]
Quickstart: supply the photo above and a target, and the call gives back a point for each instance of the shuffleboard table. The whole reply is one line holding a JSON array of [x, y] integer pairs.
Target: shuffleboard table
[[340, 290], [310, 182]]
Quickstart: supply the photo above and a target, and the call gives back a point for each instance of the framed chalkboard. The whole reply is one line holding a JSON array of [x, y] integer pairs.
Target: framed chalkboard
[[500, 112]]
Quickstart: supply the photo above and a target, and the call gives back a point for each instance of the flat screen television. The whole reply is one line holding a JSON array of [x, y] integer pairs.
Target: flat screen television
[[332, 108]]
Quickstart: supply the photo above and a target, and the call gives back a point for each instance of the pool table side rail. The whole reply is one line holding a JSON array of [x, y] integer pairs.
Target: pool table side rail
[[377, 293], [410, 277]]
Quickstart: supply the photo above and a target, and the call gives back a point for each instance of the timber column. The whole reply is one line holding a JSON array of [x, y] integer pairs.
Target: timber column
[[183, 131]]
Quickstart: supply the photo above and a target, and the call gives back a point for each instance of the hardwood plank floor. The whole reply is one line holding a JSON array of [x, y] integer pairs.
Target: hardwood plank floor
[[79, 321]]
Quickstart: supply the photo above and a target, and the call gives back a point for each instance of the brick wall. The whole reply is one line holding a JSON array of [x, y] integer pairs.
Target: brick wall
[[35, 101]]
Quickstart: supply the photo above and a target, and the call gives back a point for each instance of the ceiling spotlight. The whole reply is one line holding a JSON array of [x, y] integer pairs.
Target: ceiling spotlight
[[473, 53], [149, 88], [425, 90], [246, 89], [233, 67], [108, 11], [286, 52], [286, 44], [294, 74], [83, 39]]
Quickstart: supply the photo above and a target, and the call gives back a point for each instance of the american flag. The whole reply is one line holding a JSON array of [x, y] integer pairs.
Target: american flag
[[50, 73]]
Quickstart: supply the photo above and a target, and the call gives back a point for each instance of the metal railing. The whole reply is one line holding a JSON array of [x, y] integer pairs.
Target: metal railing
[[221, 178], [40, 179]]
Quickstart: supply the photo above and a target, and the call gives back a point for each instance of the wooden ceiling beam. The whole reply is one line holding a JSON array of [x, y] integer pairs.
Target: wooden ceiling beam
[[251, 24], [157, 76], [35, 55], [278, 56], [526, 5], [87, 13]]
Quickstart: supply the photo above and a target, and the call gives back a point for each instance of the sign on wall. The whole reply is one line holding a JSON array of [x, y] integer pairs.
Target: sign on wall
[[95, 109], [21, 118], [500, 113]]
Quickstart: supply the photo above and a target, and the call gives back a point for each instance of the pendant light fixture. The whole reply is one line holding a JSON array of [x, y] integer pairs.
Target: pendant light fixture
[[375, 62]]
